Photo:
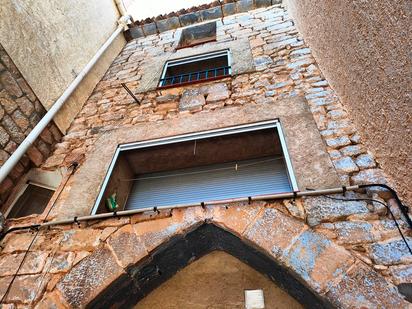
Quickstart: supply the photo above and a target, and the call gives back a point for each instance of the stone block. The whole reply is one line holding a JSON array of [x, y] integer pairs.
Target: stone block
[[84, 239], [317, 260], [217, 92], [126, 246], [369, 176], [391, 252], [191, 99], [229, 9], [338, 142], [52, 300], [365, 288], [244, 6], [211, 13], [401, 274], [354, 232], [34, 263], [149, 29], [16, 242], [262, 62], [352, 150], [263, 3], [136, 32], [21, 120], [190, 18], [89, 277], [168, 24], [62, 262], [10, 84], [365, 161], [234, 217], [322, 209], [25, 105], [6, 102], [345, 165], [4, 137], [273, 231], [153, 235], [12, 129], [35, 156], [25, 289]]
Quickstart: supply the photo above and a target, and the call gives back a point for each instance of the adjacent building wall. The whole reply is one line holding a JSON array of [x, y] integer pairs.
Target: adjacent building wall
[[51, 42], [20, 111], [364, 50]]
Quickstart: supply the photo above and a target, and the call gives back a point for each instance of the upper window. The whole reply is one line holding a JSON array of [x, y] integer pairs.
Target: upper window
[[234, 162], [194, 69], [196, 35]]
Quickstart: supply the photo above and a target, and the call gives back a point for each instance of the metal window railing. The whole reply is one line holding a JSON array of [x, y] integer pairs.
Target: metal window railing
[[195, 76]]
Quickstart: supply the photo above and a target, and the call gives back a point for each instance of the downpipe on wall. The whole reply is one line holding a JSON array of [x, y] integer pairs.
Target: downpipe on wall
[[48, 117]]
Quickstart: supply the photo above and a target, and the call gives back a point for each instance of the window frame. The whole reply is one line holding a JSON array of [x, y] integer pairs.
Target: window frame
[[269, 124], [191, 59], [45, 179]]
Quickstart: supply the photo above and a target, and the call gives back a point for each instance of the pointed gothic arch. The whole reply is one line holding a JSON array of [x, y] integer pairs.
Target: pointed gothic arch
[[181, 250]]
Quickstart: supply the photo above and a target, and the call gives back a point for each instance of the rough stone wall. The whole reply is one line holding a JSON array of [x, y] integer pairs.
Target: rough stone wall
[[363, 47], [20, 111], [339, 249]]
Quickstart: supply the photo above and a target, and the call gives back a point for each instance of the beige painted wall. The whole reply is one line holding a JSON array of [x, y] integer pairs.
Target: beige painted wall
[[51, 41], [364, 50], [217, 280]]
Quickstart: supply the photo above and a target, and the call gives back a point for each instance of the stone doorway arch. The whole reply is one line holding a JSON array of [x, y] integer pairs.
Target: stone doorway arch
[[141, 255], [181, 250]]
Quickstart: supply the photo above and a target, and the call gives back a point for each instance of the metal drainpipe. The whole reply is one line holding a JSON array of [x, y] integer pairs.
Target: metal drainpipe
[[38, 129]]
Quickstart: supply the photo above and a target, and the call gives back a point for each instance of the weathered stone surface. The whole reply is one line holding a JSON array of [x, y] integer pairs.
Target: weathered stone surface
[[402, 274], [89, 277], [52, 300], [152, 235], [391, 252], [369, 176], [351, 150], [34, 263], [352, 232], [80, 240], [26, 289], [365, 288], [217, 92], [127, 247], [10, 84], [35, 155], [16, 242], [317, 260], [62, 262], [274, 231], [345, 165], [338, 142], [321, 209], [365, 161], [191, 99], [234, 218]]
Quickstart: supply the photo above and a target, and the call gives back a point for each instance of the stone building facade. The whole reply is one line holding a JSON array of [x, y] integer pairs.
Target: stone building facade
[[322, 251], [20, 111]]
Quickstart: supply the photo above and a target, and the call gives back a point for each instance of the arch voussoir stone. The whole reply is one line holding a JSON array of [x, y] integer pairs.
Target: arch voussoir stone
[[140, 256]]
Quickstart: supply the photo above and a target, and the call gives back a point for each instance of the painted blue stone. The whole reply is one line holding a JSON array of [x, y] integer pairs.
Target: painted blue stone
[[390, 253]]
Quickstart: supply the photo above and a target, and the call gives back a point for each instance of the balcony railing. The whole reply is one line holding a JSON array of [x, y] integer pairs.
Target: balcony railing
[[194, 77]]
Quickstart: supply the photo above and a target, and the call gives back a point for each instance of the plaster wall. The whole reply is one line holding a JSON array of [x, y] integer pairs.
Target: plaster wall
[[218, 280], [51, 41], [363, 48]]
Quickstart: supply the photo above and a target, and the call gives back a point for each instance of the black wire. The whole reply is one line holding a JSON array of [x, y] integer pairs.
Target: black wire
[[376, 201]]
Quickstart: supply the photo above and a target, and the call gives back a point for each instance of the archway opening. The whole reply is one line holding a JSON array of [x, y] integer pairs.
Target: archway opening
[[177, 253]]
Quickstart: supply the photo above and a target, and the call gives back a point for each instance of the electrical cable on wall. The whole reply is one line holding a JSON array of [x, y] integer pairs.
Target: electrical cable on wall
[[36, 227]]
